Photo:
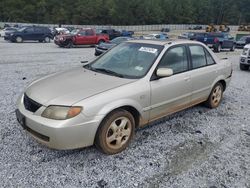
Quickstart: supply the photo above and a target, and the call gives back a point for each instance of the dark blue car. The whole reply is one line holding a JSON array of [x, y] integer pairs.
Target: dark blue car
[[32, 33], [217, 41]]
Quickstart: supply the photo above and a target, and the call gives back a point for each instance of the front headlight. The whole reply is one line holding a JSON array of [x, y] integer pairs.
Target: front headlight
[[61, 112]]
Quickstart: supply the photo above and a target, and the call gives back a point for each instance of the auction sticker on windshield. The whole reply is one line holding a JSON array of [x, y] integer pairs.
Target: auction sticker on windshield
[[149, 50]]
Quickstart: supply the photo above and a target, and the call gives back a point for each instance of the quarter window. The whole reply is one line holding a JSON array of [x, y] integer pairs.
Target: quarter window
[[210, 60], [176, 59], [198, 56]]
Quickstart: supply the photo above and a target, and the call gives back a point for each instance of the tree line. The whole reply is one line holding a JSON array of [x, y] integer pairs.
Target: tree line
[[126, 12]]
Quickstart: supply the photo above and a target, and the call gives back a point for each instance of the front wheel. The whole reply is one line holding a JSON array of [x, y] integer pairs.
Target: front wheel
[[115, 132], [244, 67], [215, 96], [69, 44], [217, 48], [19, 39]]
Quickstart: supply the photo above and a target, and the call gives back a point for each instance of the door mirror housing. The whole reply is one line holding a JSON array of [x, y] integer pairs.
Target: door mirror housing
[[164, 72]]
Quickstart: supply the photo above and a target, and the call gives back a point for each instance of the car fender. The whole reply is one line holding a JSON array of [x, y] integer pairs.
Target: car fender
[[118, 104], [219, 78]]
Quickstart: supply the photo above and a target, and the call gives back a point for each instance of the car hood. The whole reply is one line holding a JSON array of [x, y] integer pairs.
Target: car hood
[[240, 42], [72, 86]]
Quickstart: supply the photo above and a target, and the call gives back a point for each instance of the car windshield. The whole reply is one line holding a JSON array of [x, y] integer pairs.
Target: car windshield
[[128, 60], [243, 39], [75, 31]]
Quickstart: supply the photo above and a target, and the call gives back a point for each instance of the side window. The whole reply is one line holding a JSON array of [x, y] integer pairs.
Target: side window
[[38, 30], [89, 33], [198, 56], [82, 33], [29, 30], [210, 60], [176, 59]]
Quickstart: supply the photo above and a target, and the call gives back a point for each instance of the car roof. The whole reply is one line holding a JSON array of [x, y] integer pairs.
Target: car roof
[[164, 42]]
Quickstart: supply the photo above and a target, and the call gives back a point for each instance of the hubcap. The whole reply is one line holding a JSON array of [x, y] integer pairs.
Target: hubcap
[[47, 39], [19, 39], [216, 96], [118, 132]]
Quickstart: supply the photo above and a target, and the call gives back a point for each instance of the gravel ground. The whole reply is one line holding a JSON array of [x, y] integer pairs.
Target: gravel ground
[[197, 147]]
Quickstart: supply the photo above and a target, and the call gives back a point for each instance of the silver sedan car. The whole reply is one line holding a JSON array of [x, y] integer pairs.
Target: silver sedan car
[[136, 82]]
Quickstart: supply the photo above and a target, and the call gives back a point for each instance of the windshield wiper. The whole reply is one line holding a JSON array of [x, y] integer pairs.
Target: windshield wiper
[[107, 71]]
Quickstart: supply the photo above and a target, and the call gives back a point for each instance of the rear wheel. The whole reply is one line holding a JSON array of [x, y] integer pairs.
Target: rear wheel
[[232, 48], [115, 132], [244, 67], [215, 96], [101, 41], [19, 39]]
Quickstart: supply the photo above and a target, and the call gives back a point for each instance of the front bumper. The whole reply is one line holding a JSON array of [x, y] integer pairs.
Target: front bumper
[[77, 132], [99, 51], [245, 60]]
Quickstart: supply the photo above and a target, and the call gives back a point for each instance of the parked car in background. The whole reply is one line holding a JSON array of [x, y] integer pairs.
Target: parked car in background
[[245, 58], [131, 85], [7, 30], [32, 33], [125, 33], [165, 30], [84, 36], [217, 41], [198, 27], [243, 41], [103, 47], [161, 36], [112, 33], [188, 35], [60, 31]]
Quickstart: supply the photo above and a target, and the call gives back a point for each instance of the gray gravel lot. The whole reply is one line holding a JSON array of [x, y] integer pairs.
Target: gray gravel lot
[[197, 147]]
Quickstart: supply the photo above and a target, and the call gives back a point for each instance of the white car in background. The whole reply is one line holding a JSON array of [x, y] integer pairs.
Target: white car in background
[[7, 30], [245, 58]]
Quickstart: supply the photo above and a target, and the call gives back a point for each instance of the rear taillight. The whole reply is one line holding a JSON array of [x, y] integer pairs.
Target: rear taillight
[[216, 40]]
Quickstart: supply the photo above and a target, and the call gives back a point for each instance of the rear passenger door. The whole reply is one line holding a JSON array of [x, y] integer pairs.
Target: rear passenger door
[[203, 73], [173, 93]]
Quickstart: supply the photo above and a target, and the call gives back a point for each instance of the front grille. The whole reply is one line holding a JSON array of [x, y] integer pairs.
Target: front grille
[[30, 105]]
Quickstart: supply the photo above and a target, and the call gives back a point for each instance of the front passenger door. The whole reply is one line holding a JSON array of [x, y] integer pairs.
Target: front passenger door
[[171, 94]]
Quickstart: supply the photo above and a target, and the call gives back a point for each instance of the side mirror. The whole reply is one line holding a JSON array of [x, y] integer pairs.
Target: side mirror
[[164, 72], [84, 62]]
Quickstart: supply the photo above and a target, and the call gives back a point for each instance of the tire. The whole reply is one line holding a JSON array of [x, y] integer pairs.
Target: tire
[[101, 41], [215, 96], [244, 67], [47, 39], [217, 48], [70, 44], [115, 132], [19, 39], [232, 49]]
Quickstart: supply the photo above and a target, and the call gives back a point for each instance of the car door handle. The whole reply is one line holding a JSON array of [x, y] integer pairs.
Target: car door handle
[[187, 78]]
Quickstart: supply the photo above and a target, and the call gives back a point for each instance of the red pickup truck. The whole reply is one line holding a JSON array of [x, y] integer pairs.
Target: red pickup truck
[[80, 37]]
